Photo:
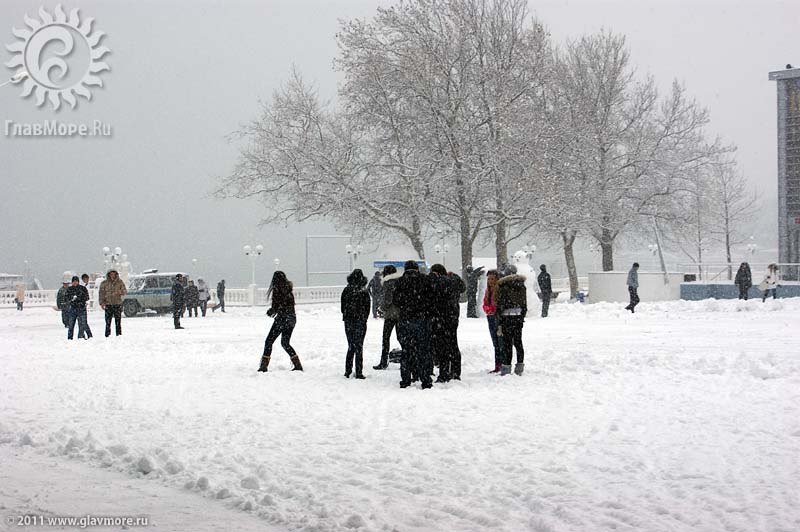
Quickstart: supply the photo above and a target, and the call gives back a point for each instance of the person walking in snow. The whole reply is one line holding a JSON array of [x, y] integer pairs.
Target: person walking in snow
[[355, 306], [202, 295], [490, 309], [62, 304], [192, 299], [220, 297], [19, 298], [375, 289], [446, 290], [633, 287], [512, 307], [545, 289], [770, 283], [473, 276], [412, 297], [389, 311], [743, 280], [177, 296], [112, 290], [282, 309], [77, 295]]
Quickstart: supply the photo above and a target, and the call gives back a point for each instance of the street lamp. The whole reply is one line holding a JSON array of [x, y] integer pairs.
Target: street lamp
[[16, 78], [277, 262], [442, 250], [752, 247], [653, 248], [353, 252], [253, 253]]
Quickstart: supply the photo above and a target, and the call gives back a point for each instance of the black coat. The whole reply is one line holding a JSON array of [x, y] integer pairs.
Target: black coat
[[77, 296], [220, 290], [387, 305], [446, 291], [192, 296], [375, 288], [412, 296], [511, 294], [744, 278], [355, 303], [61, 298], [545, 286], [177, 295]]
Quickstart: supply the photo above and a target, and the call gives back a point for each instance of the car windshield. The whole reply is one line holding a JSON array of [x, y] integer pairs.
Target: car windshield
[[136, 284]]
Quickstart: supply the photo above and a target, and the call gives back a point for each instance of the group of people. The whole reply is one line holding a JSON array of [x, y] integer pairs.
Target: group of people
[[769, 285], [193, 297], [73, 296]]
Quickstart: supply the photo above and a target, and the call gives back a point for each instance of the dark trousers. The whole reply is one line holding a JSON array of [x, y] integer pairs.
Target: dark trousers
[[65, 316], [203, 306], [414, 339], [283, 327], [743, 289], [388, 326], [355, 332], [221, 304], [192, 308], [546, 303], [512, 337], [767, 291], [633, 292], [177, 312], [444, 346], [19, 304], [375, 305], [78, 315], [115, 312], [472, 306], [497, 341]]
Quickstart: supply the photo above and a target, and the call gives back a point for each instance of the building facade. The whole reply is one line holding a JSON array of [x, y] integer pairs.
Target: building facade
[[788, 85]]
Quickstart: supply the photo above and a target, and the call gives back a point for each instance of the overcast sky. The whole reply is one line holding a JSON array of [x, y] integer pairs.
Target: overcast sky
[[185, 74]]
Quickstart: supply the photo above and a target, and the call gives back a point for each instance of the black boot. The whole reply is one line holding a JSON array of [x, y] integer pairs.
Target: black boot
[[296, 361], [264, 363]]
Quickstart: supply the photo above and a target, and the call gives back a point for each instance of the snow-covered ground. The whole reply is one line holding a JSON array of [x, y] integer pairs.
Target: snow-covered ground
[[682, 417]]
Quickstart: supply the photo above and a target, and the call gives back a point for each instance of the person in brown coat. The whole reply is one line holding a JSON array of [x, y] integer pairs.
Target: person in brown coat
[[112, 290], [20, 299]]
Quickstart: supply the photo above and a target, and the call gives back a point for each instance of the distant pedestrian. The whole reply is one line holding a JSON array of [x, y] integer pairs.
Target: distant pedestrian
[[512, 307], [355, 312], [220, 297], [192, 299], [446, 290], [490, 309], [412, 297], [473, 276], [282, 309], [112, 290], [77, 295], [743, 280], [375, 289], [545, 289], [770, 283], [633, 287], [19, 298], [177, 296], [62, 304], [389, 311], [203, 295]]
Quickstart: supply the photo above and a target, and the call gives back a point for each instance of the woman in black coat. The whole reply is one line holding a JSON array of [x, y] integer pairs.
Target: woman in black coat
[[744, 280], [355, 313], [282, 309]]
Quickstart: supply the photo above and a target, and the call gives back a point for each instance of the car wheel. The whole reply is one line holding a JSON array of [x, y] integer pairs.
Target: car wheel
[[130, 308]]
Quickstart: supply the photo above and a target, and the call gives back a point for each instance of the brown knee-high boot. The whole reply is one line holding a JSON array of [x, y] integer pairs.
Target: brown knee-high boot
[[264, 363]]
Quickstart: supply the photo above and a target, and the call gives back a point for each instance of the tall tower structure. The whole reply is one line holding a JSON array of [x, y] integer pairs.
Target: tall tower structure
[[788, 164]]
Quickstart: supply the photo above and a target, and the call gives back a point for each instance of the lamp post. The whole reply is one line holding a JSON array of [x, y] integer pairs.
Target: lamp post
[[752, 247], [277, 262], [653, 248], [442, 250], [253, 253], [353, 252], [16, 78]]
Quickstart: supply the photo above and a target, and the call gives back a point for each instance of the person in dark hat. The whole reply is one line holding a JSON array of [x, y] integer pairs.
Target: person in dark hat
[[389, 311], [545, 289], [512, 306], [633, 287], [355, 313], [177, 298], [77, 295], [412, 297]]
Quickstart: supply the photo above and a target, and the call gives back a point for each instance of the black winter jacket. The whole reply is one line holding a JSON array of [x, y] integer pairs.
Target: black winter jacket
[[446, 291], [412, 296], [177, 295], [545, 285], [77, 296], [355, 303], [512, 299]]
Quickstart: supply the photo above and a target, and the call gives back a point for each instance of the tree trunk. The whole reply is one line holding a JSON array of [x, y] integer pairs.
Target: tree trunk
[[607, 247], [500, 243], [568, 238], [466, 245], [728, 247], [416, 238]]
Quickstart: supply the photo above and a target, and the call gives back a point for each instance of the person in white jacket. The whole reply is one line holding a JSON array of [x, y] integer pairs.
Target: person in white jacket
[[204, 295], [770, 283]]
